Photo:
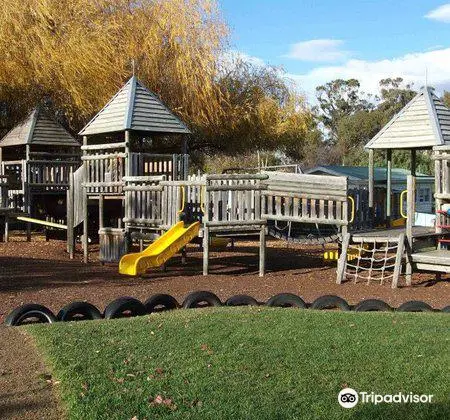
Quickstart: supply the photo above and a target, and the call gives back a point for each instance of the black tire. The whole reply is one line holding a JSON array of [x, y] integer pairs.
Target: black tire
[[371, 305], [78, 311], [330, 302], [446, 309], [166, 301], [415, 306], [196, 299], [124, 307], [21, 314], [241, 300], [286, 300]]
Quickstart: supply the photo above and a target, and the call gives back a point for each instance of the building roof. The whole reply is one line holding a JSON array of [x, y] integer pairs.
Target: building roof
[[423, 123], [134, 107], [361, 173], [38, 128]]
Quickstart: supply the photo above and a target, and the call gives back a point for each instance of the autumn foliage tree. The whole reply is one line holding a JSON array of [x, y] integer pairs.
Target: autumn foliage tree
[[75, 54]]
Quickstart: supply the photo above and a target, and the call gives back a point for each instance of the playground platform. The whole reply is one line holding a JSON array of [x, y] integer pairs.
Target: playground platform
[[391, 234]]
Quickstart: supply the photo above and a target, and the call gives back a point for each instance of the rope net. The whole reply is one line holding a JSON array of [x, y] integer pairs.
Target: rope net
[[371, 263]]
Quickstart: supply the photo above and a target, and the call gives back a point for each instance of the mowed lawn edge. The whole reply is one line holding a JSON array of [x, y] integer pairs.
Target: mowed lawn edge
[[248, 363]]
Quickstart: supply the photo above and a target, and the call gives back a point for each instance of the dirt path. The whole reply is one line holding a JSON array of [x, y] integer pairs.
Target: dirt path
[[26, 388]]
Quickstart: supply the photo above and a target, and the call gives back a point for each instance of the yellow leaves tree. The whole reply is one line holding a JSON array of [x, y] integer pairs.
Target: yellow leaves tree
[[79, 52], [76, 54]]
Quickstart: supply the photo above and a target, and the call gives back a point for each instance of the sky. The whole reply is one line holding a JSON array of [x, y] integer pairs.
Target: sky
[[318, 41]]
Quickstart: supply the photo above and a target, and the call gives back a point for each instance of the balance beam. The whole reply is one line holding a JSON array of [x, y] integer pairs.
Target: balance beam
[[41, 222]]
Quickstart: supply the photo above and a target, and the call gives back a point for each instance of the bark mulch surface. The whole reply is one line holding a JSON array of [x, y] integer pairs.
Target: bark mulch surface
[[26, 388], [41, 272]]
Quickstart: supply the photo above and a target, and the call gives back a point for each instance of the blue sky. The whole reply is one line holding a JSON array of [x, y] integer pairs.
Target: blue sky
[[316, 41]]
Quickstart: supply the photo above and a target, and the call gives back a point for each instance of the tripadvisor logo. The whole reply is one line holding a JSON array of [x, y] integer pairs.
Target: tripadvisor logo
[[348, 398]]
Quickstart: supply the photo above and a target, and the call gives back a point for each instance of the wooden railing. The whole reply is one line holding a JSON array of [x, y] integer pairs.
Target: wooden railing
[[108, 164], [105, 168], [50, 173], [233, 201], [172, 166], [306, 199], [143, 201]]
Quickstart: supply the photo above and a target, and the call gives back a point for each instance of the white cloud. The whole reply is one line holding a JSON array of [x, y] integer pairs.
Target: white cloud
[[411, 67], [231, 56], [441, 13], [325, 50]]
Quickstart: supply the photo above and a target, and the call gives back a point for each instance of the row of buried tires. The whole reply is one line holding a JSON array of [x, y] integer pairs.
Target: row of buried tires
[[128, 307]]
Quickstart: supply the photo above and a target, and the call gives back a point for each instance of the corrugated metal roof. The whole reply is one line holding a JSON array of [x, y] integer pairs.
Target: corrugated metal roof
[[423, 123], [38, 128], [361, 173], [134, 107]]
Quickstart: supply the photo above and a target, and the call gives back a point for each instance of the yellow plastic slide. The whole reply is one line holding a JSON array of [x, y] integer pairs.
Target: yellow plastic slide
[[159, 251]]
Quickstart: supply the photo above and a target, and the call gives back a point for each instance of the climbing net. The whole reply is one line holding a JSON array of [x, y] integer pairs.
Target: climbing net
[[366, 262]]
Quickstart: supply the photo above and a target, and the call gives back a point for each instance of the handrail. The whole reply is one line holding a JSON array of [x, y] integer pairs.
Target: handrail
[[405, 216], [353, 209]]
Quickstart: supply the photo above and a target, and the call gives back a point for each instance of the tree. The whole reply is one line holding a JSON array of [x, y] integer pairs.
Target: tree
[[262, 113], [77, 53], [395, 94], [354, 132], [446, 99], [338, 99]]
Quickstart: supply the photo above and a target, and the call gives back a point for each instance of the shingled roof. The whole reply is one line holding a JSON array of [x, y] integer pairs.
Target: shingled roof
[[423, 123], [134, 107], [38, 128]]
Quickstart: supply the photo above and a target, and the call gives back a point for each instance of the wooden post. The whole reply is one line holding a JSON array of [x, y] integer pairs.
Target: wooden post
[[262, 251], [85, 207], [6, 238], [70, 217], [411, 209], [398, 260], [206, 231], [205, 250], [27, 189], [371, 188], [101, 221], [342, 262], [388, 187]]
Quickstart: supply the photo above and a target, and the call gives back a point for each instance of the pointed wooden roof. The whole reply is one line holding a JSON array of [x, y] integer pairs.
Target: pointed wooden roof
[[38, 128], [423, 123], [134, 107]]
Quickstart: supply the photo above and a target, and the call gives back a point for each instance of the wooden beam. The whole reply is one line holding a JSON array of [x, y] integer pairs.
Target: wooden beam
[[388, 186], [411, 209], [342, 262], [398, 260], [205, 250], [262, 251], [85, 208], [371, 188], [413, 162]]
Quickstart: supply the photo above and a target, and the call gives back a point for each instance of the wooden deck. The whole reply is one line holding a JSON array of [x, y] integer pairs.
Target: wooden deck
[[436, 260], [383, 235]]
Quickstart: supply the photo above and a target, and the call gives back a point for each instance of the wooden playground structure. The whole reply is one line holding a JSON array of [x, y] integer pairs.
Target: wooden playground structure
[[127, 191], [37, 158]]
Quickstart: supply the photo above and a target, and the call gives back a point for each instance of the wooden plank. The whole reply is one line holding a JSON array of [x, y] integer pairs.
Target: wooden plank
[[216, 177], [103, 146]]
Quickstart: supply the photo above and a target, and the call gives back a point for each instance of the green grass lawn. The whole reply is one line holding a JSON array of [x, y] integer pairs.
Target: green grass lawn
[[249, 363]]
